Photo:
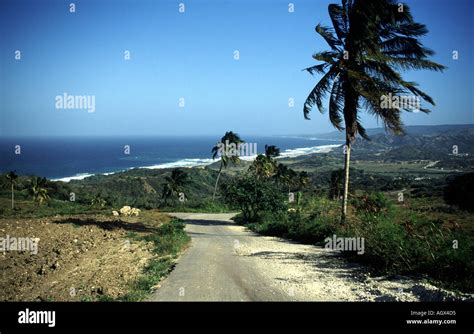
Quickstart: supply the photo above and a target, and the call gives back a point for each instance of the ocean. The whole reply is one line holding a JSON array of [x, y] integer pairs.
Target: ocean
[[68, 158]]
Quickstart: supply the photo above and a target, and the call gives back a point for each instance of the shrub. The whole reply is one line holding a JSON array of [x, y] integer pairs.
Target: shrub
[[373, 203], [296, 226], [416, 245], [169, 238], [311, 229], [254, 197]]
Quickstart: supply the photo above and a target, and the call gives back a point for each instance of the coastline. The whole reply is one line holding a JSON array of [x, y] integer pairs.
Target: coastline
[[196, 162]]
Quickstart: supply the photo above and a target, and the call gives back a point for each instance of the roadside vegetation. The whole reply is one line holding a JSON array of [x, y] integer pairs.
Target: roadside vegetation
[[409, 197], [402, 235], [400, 239], [169, 240]]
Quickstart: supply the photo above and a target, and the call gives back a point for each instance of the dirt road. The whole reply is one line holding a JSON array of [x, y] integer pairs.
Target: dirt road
[[227, 262]]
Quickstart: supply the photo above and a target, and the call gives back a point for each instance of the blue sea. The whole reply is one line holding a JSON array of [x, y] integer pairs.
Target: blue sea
[[68, 158]]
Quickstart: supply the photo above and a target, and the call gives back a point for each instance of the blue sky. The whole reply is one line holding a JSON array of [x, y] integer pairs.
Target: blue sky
[[190, 55]]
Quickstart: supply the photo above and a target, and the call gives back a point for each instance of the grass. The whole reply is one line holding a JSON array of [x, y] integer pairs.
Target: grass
[[30, 209], [168, 240], [404, 242]]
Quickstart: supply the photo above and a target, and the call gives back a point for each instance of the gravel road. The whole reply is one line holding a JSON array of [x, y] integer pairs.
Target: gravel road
[[227, 262]]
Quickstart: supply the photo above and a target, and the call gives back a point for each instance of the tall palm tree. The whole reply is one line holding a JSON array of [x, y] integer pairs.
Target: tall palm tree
[[38, 189], [11, 177], [225, 149], [370, 43], [174, 183]]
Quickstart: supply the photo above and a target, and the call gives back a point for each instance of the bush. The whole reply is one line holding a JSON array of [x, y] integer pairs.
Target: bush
[[373, 203], [254, 197], [310, 229], [416, 245], [296, 226]]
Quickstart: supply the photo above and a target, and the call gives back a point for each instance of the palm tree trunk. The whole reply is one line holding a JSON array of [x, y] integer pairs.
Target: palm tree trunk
[[346, 180], [13, 197], [217, 181]]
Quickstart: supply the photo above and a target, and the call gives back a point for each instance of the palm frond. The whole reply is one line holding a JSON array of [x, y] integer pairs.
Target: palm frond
[[319, 92], [328, 35]]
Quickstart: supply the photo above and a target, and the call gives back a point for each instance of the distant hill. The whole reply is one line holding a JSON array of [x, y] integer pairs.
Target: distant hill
[[449, 147], [425, 142], [412, 129]]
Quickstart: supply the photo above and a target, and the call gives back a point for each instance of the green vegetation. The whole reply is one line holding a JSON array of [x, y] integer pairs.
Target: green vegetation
[[370, 43], [253, 196], [226, 149], [174, 185], [264, 165], [397, 240], [169, 240]]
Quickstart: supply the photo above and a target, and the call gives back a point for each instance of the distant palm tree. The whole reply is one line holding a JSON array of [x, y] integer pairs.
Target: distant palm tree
[[371, 41], [11, 177], [174, 183], [224, 150], [286, 176], [265, 165], [271, 151], [38, 190], [262, 166]]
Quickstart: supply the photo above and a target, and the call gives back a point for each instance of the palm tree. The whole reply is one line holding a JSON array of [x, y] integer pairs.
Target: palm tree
[[11, 177], [262, 166], [371, 41], [174, 183], [271, 151], [286, 176], [265, 165], [227, 149], [38, 190]]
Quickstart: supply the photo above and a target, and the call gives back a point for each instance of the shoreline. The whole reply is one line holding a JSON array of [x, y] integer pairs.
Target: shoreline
[[199, 162]]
